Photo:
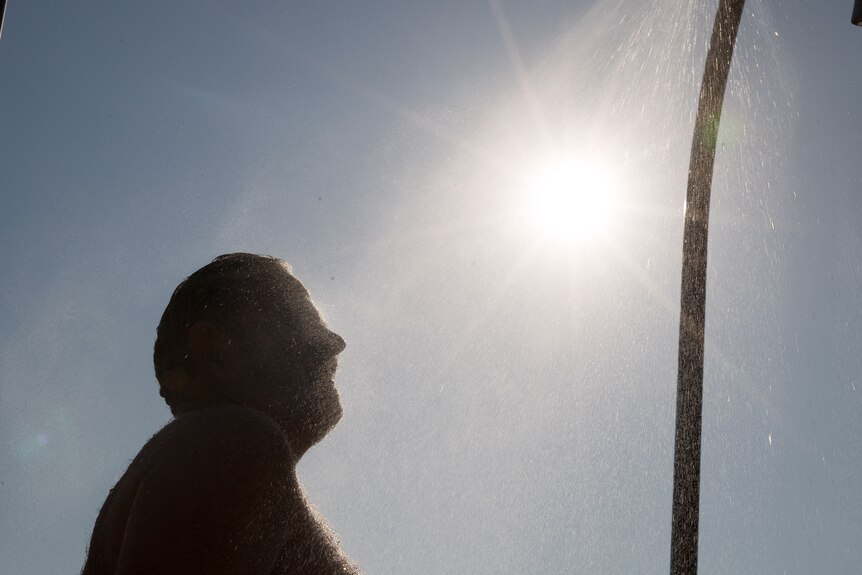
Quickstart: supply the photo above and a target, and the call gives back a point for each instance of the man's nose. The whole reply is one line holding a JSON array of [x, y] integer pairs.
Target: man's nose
[[338, 343]]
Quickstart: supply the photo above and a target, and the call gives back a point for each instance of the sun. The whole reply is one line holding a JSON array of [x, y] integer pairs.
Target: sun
[[571, 200]]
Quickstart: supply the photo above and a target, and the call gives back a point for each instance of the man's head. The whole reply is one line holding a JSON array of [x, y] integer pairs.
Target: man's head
[[242, 330]]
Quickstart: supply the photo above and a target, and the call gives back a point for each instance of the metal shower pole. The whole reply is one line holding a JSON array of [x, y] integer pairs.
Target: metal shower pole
[[2, 14], [692, 318]]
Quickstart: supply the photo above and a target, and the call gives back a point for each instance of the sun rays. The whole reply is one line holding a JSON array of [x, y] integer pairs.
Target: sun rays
[[572, 201]]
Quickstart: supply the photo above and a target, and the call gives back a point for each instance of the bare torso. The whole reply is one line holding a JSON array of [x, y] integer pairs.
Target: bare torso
[[214, 491]]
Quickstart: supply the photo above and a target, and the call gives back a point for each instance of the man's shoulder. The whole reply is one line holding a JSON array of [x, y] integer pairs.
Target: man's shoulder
[[206, 467]]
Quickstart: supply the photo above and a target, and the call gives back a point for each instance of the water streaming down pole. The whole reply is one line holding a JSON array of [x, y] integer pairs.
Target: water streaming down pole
[[2, 15], [686, 473]]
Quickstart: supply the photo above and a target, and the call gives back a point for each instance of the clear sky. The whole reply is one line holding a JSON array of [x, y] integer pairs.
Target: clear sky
[[510, 375]]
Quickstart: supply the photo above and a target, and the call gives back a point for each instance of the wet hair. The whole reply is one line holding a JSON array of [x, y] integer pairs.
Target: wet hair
[[218, 292]]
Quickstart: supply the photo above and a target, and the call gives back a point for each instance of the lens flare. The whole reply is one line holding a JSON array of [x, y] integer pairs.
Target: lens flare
[[572, 201]]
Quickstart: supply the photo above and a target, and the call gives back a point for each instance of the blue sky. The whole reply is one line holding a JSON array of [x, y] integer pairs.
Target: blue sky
[[509, 399]]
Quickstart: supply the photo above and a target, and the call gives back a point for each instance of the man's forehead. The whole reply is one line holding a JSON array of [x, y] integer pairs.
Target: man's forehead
[[286, 294], [291, 287]]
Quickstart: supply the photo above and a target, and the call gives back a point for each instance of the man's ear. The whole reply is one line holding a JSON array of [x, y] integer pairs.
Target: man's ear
[[174, 381], [207, 346]]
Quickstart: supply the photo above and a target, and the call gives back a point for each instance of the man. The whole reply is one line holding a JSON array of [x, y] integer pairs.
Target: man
[[246, 364]]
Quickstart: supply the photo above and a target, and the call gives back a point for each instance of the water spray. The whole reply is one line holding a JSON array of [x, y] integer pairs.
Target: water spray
[[692, 317]]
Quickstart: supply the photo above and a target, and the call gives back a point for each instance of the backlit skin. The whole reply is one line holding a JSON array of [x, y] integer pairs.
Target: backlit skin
[[215, 491]]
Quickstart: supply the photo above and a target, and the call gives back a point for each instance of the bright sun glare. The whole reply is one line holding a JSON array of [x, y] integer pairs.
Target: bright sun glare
[[572, 201]]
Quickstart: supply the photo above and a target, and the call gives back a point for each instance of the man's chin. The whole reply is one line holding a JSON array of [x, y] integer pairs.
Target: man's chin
[[314, 422], [329, 420]]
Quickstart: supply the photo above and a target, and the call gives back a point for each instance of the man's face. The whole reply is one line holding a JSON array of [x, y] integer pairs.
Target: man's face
[[292, 357]]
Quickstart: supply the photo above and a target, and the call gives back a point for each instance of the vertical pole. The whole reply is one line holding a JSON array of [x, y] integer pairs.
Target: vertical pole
[[2, 14], [686, 473]]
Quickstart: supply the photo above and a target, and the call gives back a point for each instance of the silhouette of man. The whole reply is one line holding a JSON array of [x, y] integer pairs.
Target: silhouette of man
[[246, 364]]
